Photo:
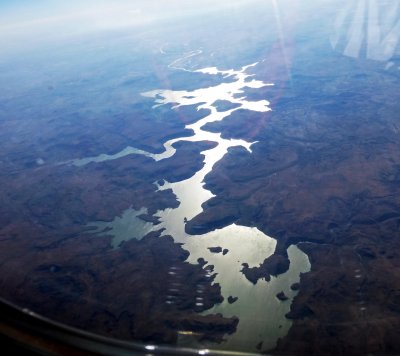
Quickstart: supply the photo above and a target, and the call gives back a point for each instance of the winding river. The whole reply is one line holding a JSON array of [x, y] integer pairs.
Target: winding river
[[261, 315]]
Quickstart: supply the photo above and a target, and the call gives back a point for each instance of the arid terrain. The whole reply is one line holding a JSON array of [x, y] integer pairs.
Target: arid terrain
[[325, 176], [53, 263], [307, 159]]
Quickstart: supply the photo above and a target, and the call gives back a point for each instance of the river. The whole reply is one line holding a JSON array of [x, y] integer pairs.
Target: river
[[261, 315]]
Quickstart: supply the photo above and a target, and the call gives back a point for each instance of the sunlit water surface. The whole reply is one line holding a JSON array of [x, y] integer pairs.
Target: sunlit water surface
[[261, 315]]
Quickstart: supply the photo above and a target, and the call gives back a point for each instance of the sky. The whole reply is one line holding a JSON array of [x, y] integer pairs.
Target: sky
[[20, 15], [25, 23]]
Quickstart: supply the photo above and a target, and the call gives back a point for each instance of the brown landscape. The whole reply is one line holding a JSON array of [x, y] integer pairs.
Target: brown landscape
[[52, 263], [324, 176]]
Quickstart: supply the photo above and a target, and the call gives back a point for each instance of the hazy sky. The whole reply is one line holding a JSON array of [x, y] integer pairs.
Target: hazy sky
[[25, 23], [20, 15]]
